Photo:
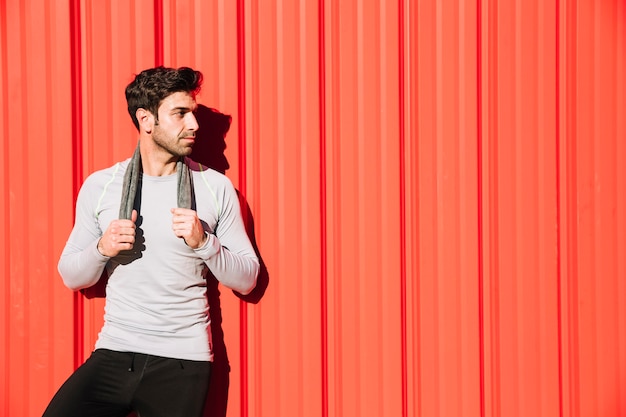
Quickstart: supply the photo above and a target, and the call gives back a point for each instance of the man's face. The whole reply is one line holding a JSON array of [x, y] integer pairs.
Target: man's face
[[175, 131]]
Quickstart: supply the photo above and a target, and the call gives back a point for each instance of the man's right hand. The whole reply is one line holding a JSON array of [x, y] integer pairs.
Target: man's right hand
[[119, 236]]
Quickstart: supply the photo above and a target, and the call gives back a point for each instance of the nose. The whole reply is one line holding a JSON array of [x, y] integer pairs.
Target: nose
[[192, 122]]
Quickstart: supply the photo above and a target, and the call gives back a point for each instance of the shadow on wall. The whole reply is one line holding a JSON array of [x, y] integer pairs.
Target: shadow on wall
[[209, 150]]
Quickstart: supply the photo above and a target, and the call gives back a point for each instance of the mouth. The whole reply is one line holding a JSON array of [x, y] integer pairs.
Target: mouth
[[190, 139]]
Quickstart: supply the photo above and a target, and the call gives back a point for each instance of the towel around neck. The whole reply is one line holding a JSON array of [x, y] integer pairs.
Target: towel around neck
[[131, 184]]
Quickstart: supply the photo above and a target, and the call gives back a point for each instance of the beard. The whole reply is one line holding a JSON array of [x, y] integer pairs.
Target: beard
[[176, 146]]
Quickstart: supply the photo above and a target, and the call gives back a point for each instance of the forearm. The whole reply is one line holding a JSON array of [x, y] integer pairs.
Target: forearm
[[237, 271], [81, 268]]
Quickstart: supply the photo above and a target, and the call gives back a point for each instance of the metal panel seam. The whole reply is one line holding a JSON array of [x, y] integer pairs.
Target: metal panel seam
[[241, 90], [403, 240], [158, 33], [77, 157], [558, 202], [323, 205], [479, 139], [6, 298]]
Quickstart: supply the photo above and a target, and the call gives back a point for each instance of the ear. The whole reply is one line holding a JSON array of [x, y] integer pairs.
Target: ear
[[145, 119]]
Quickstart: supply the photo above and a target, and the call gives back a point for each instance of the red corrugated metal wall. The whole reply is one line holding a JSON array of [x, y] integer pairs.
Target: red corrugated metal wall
[[436, 189]]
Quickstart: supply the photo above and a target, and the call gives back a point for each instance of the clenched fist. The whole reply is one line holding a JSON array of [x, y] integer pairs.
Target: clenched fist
[[187, 225], [119, 236]]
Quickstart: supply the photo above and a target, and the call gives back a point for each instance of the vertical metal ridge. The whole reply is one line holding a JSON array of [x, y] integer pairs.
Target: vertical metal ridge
[[49, 143], [479, 188], [492, 199], [568, 195], [77, 158], [20, 290], [558, 202], [403, 222], [489, 225], [323, 206], [6, 221], [241, 124], [158, 33]]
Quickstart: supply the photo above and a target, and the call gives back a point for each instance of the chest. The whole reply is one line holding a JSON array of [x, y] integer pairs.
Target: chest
[[156, 197]]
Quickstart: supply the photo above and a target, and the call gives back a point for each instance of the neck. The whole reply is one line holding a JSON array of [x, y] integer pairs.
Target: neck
[[157, 162]]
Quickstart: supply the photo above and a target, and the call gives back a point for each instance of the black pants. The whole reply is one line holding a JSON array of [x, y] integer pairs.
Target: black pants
[[113, 384]]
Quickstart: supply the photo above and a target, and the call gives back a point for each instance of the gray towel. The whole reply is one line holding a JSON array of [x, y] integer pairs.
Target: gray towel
[[131, 184]]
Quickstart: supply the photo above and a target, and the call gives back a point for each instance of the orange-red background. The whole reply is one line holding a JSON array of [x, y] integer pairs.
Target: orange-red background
[[437, 189]]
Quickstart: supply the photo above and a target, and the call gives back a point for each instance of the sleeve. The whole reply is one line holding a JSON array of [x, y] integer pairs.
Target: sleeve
[[81, 264], [228, 252]]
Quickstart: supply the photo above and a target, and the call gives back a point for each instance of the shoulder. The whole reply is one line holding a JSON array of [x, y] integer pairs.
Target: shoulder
[[103, 178], [213, 189], [208, 176]]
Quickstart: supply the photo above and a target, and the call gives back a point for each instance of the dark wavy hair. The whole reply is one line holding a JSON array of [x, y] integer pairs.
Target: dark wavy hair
[[150, 87]]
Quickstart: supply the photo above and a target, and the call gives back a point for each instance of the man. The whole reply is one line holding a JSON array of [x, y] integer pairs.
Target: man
[[157, 222]]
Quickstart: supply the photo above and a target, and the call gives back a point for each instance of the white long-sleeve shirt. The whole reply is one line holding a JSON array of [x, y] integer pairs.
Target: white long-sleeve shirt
[[156, 294]]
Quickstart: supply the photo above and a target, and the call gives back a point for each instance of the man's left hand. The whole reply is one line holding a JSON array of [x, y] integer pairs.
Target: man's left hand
[[187, 225]]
